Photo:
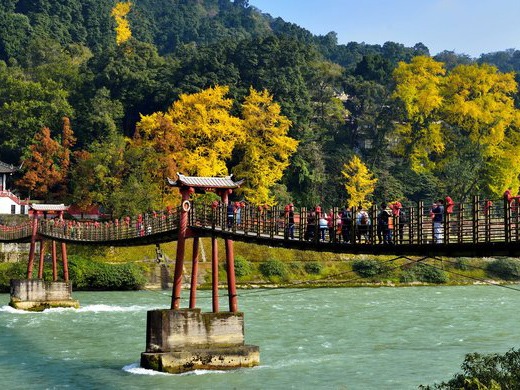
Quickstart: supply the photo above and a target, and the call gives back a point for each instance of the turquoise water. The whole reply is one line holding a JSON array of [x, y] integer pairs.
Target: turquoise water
[[355, 338]]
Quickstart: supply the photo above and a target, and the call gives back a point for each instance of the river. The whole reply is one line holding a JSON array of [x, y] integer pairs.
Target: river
[[338, 338]]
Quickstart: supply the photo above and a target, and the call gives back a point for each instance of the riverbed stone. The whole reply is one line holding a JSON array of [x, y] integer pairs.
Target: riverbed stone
[[38, 295], [187, 339]]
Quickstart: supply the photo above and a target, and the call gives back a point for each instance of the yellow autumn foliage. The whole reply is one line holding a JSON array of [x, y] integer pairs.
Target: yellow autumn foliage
[[120, 12], [359, 182], [471, 102], [266, 148]]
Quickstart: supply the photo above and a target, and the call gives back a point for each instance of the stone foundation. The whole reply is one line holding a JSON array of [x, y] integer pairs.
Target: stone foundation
[[183, 340], [38, 295]]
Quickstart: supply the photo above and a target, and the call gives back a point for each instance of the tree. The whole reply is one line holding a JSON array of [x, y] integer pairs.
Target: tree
[[359, 182], [266, 148], [472, 106], [43, 171], [208, 130], [120, 12], [25, 107]]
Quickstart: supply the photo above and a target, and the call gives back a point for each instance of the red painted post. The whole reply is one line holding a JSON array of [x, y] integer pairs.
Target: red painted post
[[214, 272], [65, 262], [54, 262], [230, 265], [179, 261], [40, 269], [194, 272], [33, 246]]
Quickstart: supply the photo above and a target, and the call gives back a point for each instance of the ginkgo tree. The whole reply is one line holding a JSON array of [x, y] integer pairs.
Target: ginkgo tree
[[120, 12], [468, 113], [265, 149], [198, 136], [360, 183]]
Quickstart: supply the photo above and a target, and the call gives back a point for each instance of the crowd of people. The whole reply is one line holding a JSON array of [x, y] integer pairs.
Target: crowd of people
[[352, 225]]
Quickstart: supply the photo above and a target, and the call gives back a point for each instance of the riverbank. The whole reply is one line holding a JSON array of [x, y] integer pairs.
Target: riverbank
[[97, 268]]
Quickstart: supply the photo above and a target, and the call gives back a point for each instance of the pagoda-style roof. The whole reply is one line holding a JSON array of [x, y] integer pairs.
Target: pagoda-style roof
[[7, 168], [205, 183], [48, 207]]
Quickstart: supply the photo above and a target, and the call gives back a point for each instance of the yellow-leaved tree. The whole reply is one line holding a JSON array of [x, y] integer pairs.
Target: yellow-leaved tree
[[197, 134], [465, 115], [359, 182], [120, 12], [266, 148]]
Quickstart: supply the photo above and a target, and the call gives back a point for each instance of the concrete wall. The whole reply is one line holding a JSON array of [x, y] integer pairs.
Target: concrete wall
[[12, 253], [174, 330], [38, 290]]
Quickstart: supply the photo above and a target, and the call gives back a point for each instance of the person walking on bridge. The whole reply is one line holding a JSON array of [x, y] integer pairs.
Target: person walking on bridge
[[438, 217], [230, 214], [346, 224], [383, 228], [362, 224]]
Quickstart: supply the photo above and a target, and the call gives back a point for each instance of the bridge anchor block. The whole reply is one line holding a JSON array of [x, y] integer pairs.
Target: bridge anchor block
[[185, 339], [38, 295]]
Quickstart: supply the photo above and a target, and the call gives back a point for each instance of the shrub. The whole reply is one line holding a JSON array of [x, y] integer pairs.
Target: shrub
[[461, 264], [92, 275], [10, 271], [295, 266], [507, 269], [407, 277], [428, 274], [273, 267], [313, 268], [243, 267], [368, 268], [493, 371]]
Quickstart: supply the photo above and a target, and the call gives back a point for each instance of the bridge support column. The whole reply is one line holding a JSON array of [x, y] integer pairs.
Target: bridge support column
[[194, 272], [230, 265], [54, 262], [40, 268], [181, 242], [65, 262], [33, 246], [214, 272]]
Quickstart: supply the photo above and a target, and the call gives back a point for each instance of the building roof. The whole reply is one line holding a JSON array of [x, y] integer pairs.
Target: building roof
[[48, 207], [7, 168], [205, 182]]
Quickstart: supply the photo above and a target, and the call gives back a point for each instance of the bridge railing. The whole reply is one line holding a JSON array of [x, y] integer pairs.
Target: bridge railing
[[115, 230], [15, 232], [477, 221]]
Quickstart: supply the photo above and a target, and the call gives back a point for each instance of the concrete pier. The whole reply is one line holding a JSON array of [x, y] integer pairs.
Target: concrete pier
[[38, 295], [186, 339]]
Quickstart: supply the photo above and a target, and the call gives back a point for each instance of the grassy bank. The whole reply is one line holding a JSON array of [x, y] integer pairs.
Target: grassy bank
[[259, 265]]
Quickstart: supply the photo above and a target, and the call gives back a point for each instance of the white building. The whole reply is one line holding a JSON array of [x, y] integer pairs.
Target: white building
[[9, 202]]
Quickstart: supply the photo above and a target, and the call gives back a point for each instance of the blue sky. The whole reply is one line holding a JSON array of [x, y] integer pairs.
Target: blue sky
[[466, 26]]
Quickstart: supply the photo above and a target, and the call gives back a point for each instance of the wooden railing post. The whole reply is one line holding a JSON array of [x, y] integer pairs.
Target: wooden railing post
[[411, 225], [507, 220], [475, 219], [460, 224], [420, 209]]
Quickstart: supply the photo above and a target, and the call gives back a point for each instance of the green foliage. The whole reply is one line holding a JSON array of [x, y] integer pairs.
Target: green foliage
[[92, 275], [10, 271], [243, 267], [505, 268], [479, 372], [429, 274], [313, 268], [273, 267], [368, 268]]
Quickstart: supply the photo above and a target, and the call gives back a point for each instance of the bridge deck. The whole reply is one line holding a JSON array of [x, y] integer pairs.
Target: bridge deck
[[477, 230]]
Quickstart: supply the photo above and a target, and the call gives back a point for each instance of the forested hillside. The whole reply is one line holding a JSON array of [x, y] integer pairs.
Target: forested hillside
[[60, 58]]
